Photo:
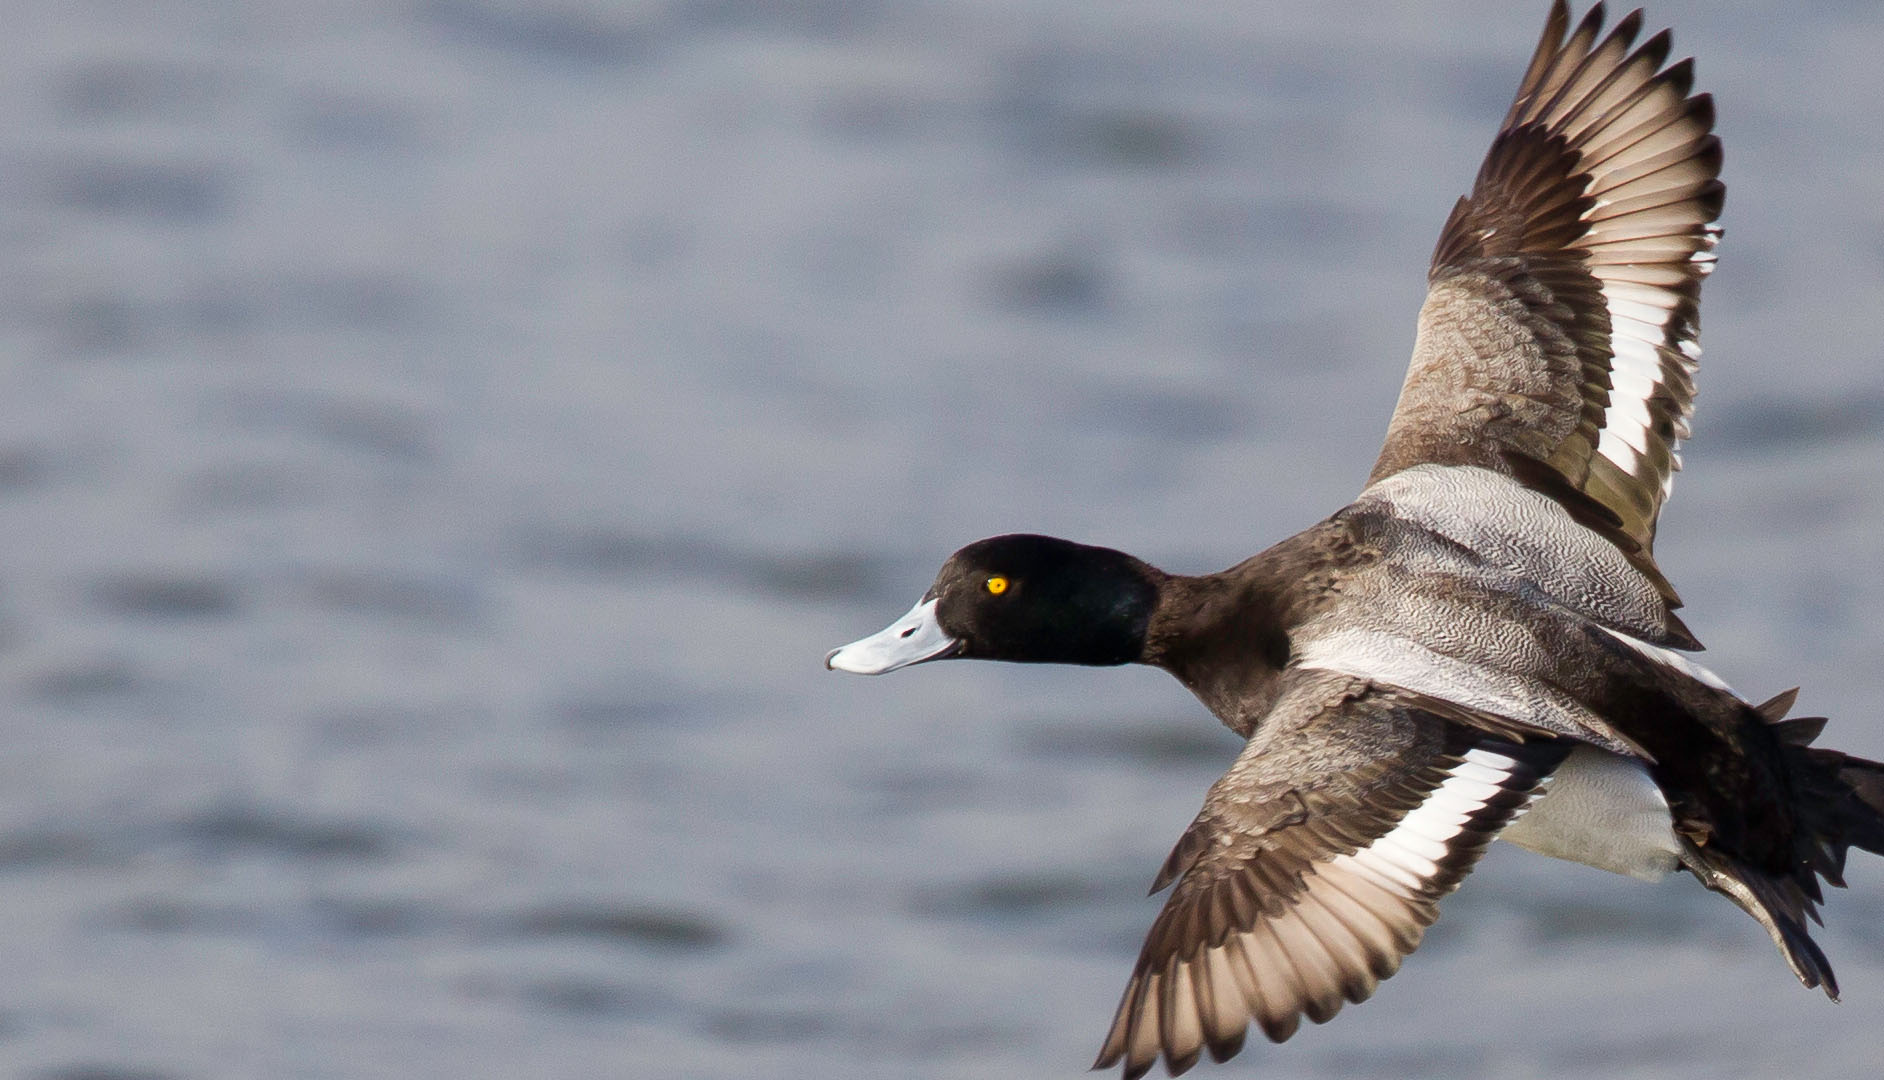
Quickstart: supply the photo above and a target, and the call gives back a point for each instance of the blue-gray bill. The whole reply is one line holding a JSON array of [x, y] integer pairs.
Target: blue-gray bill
[[909, 640]]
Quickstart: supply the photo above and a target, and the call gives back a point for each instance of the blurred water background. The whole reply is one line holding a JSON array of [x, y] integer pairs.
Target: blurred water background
[[440, 439]]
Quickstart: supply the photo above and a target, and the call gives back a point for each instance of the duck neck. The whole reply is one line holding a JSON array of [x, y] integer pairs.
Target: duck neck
[[1223, 636]]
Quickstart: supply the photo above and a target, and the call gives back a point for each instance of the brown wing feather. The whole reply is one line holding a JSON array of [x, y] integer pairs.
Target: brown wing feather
[[1301, 884], [1558, 341]]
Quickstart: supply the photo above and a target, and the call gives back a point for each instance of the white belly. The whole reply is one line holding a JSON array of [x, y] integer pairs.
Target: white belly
[[1604, 810]]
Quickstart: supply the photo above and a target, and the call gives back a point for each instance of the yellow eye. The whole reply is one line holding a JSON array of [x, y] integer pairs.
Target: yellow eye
[[997, 585]]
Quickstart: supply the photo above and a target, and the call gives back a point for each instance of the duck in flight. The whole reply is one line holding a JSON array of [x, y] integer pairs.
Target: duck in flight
[[1481, 644]]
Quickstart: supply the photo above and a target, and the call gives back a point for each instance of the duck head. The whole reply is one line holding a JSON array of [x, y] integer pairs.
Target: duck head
[[1033, 599]]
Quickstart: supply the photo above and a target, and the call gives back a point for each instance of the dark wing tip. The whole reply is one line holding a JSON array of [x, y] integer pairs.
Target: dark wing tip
[[1627, 27], [1656, 49], [1225, 1048], [1592, 23], [1680, 74]]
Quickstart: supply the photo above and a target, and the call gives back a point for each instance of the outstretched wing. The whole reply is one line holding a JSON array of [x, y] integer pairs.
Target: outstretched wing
[[1558, 341], [1315, 865]]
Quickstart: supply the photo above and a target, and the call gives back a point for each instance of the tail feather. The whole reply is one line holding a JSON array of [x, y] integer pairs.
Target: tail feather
[[1848, 811], [1841, 796], [1800, 730], [1839, 802], [1776, 707], [1779, 904]]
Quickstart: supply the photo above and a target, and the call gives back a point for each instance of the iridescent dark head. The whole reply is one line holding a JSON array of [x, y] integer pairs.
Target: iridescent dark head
[[1034, 599]]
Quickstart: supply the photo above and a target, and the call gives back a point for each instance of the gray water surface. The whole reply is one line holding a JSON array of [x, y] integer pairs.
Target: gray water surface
[[439, 441]]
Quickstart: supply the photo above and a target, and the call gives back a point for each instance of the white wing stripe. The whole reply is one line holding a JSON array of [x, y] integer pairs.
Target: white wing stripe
[[1629, 418], [1652, 314], [1616, 449], [1641, 322], [1649, 330], [1387, 876], [1627, 379], [1618, 287], [1409, 840], [1638, 351], [1422, 838]]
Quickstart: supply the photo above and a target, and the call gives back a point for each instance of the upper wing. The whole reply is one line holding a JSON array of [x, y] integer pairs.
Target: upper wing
[[1558, 340], [1314, 867]]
